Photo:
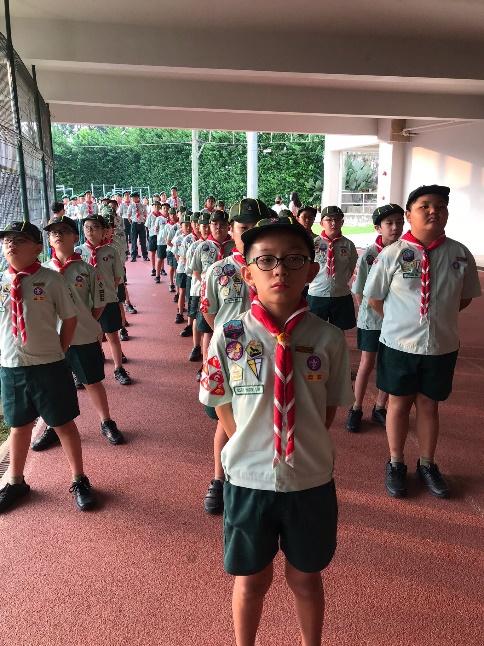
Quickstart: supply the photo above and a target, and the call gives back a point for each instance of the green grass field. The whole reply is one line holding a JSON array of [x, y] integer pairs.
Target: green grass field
[[369, 228]]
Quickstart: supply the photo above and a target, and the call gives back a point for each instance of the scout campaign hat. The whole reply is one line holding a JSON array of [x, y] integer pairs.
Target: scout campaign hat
[[277, 225], [25, 228], [432, 189], [248, 210], [61, 219], [384, 211], [332, 210]]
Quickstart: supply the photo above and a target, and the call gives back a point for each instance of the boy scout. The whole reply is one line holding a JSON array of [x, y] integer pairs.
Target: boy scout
[[170, 232], [185, 252], [227, 296], [195, 288], [137, 215], [418, 285], [329, 295], [160, 226], [276, 376], [179, 253], [306, 216], [35, 379], [152, 237], [388, 222]]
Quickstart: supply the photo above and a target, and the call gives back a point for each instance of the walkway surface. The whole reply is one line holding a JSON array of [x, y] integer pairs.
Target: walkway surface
[[146, 568]]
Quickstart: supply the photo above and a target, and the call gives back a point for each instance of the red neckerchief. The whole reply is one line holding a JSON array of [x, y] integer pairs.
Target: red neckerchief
[[76, 257], [330, 268], [379, 244], [284, 397], [89, 208], [18, 321], [425, 270], [93, 257], [219, 245]]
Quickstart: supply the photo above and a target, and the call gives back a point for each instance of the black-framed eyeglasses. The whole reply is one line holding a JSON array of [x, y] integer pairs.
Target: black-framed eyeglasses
[[291, 261]]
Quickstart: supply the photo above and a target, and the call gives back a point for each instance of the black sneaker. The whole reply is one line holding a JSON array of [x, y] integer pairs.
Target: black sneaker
[[396, 479], [122, 376], [163, 273], [45, 440], [111, 432], [179, 318], [77, 383], [379, 416], [83, 493], [199, 375], [157, 279], [153, 272], [353, 421], [130, 309], [127, 324], [196, 354], [146, 259], [133, 259], [213, 503], [175, 298], [172, 289], [124, 358], [187, 331], [123, 334], [11, 494], [433, 479]]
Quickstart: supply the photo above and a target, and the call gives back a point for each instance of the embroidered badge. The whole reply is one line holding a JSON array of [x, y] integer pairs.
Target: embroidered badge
[[255, 365], [217, 271], [214, 362], [343, 251], [408, 255], [411, 269], [236, 279], [205, 247], [257, 389], [223, 280], [236, 372], [314, 376], [225, 291], [254, 349], [229, 270], [313, 362], [39, 294], [234, 350], [218, 390], [217, 376], [233, 329], [305, 349], [237, 288]]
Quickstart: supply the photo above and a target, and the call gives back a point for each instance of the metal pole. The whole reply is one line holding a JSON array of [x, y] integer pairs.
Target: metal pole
[[18, 123], [195, 157], [52, 153], [252, 169], [41, 137]]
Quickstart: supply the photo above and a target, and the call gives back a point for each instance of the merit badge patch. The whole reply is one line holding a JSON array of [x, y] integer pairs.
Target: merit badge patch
[[218, 390], [312, 376], [234, 350], [214, 362], [305, 349], [255, 365], [217, 271], [236, 279], [233, 329], [408, 255], [39, 294], [313, 362], [254, 349], [223, 280], [205, 247], [225, 291], [257, 389], [229, 270], [236, 372]]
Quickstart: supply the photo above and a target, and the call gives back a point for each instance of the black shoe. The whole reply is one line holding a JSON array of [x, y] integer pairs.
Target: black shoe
[[123, 334], [199, 375], [133, 259], [45, 440], [163, 273], [127, 324], [11, 494], [130, 309], [353, 375], [433, 479], [179, 318], [172, 289], [187, 331], [77, 383], [195, 354], [153, 272], [122, 377], [83, 493], [111, 432], [353, 421], [175, 298], [379, 416], [157, 279], [396, 479], [124, 358], [146, 259], [213, 503]]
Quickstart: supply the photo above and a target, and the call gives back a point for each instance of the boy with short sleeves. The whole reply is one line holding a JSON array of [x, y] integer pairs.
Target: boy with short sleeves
[[137, 214], [418, 285], [388, 222], [203, 231], [171, 229], [152, 237], [276, 376], [185, 248], [159, 228], [35, 378], [329, 295], [179, 250]]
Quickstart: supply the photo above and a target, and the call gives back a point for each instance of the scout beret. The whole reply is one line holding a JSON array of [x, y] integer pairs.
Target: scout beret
[[61, 219], [219, 216], [332, 210], [432, 189], [248, 210], [384, 211], [25, 228], [276, 225]]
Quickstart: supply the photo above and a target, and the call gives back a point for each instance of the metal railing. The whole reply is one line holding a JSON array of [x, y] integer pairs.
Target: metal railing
[[358, 207]]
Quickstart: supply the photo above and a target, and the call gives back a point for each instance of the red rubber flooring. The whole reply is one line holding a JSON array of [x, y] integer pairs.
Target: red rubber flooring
[[146, 568]]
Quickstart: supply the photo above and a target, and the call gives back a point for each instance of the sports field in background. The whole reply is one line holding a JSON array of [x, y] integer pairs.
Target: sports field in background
[[369, 228]]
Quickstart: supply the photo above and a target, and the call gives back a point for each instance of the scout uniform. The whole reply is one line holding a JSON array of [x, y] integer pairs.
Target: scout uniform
[[329, 295], [159, 229], [150, 224], [180, 247], [123, 212], [195, 284], [137, 214]]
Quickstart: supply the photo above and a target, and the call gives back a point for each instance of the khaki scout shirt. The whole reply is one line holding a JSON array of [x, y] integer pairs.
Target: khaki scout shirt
[[45, 299], [240, 371], [395, 279], [345, 258], [109, 269], [368, 319], [226, 293]]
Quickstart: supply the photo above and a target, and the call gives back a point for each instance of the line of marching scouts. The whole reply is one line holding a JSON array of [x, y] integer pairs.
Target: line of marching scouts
[[266, 302]]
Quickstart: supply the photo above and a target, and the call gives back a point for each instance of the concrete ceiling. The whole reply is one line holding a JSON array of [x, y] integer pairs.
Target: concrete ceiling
[[270, 65]]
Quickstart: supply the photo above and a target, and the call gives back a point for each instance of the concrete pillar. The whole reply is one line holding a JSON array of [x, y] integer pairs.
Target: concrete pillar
[[252, 166], [332, 178], [195, 156], [391, 161]]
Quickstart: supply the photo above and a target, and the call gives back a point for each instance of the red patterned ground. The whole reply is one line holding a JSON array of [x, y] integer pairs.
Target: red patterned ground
[[145, 569]]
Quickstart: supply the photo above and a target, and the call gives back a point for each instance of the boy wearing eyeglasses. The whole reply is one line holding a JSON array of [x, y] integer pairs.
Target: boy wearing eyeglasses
[[276, 376], [329, 295]]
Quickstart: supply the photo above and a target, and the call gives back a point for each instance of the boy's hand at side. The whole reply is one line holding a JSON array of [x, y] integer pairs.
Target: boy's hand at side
[[226, 417], [67, 332]]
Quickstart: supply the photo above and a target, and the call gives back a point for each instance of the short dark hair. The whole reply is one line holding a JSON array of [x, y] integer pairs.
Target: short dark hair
[[57, 207]]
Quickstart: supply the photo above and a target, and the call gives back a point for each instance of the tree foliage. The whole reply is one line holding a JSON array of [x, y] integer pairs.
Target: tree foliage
[[160, 158], [361, 172]]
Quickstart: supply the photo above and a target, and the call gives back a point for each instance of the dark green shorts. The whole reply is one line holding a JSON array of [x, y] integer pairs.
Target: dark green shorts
[[367, 340], [210, 410], [161, 251], [171, 260], [121, 293], [338, 310], [152, 246], [401, 373], [193, 306], [110, 319], [181, 280], [45, 391], [256, 523], [86, 362], [202, 325]]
